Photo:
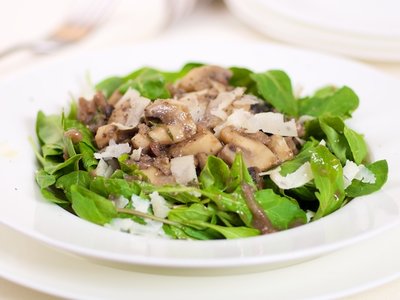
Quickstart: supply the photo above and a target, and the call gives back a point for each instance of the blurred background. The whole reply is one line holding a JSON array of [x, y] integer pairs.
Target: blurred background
[[46, 30], [367, 30]]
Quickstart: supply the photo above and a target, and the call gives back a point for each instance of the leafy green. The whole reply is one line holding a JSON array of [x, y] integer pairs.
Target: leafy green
[[214, 174], [357, 145], [107, 187], [359, 188], [276, 88], [328, 178], [281, 211], [91, 206], [333, 103]]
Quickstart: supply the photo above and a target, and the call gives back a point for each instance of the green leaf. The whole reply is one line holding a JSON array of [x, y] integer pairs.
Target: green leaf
[[232, 202], [109, 85], [241, 78], [333, 129], [340, 103], [150, 83], [232, 232], [328, 178], [88, 160], [359, 188], [239, 174], [107, 187], [53, 167], [44, 179], [91, 206], [171, 77], [276, 88], [302, 157], [357, 145], [186, 215], [214, 174], [281, 211], [50, 195], [65, 182], [49, 129]]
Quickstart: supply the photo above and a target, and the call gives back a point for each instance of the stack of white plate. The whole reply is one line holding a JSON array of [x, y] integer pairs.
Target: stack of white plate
[[364, 29]]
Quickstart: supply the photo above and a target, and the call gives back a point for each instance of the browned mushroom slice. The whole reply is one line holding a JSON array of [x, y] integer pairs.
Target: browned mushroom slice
[[279, 146], [255, 153], [177, 123], [156, 177], [114, 132], [129, 109], [140, 141], [201, 159], [202, 142], [115, 97], [94, 113], [203, 77]]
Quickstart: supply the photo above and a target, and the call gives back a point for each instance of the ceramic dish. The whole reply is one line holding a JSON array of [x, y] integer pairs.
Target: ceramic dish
[[368, 264], [276, 20], [47, 88]]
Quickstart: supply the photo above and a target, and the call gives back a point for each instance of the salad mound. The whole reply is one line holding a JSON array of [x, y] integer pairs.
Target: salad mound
[[203, 153]]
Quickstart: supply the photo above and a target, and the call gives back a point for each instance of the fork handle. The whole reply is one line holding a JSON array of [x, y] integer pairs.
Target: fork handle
[[37, 47], [15, 48]]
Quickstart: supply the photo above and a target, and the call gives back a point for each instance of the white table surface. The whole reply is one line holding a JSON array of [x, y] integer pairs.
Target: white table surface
[[208, 23]]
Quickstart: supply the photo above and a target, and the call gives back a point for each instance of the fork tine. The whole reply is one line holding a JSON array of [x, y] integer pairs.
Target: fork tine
[[90, 13]]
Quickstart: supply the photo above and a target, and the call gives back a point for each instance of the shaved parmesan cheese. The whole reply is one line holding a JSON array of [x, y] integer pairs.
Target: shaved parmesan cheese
[[104, 169], [224, 99], [140, 204], [196, 108], [159, 205], [120, 202], [184, 169], [293, 180], [137, 105], [136, 153], [113, 150], [152, 228], [268, 122], [353, 171]]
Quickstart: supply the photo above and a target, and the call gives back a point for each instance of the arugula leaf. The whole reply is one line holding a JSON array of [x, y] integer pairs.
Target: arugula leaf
[[303, 156], [231, 232], [91, 206], [357, 145], [241, 78], [359, 188], [214, 174], [52, 196], [150, 83], [65, 182], [339, 103], [44, 179], [109, 85], [107, 187], [276, 88], [281, 211], [239, 174], [328, 178], [186, 215]]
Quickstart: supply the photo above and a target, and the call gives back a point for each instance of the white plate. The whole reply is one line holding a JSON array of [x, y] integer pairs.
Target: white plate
[[268, 18], [346, 272], [370, 18], [47, 88]]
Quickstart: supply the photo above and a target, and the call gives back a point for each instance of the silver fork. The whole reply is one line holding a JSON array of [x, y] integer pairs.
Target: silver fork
[[80, 21]]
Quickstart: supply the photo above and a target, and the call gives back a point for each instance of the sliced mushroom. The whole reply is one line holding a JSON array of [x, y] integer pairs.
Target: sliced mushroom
[[203, 77], [203, 142], [278, 145], [129, 109], [255, 153], [94, 113], [177, 123], [114, 132], [156, 177]]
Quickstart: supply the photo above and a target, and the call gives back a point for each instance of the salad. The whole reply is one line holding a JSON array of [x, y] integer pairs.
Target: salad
[[203, 153]]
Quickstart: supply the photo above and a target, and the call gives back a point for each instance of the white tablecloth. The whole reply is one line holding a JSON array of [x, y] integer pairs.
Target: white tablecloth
[[129, 25]]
